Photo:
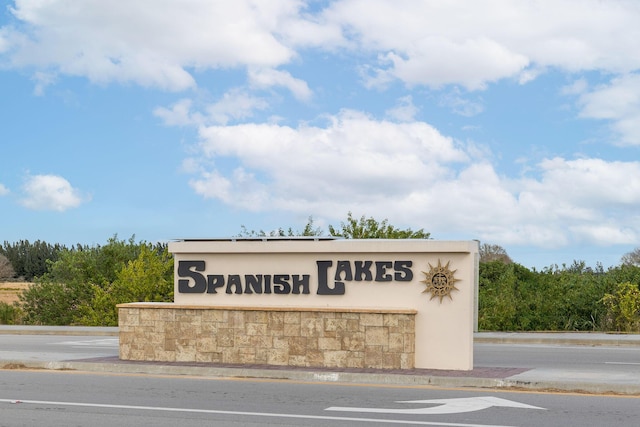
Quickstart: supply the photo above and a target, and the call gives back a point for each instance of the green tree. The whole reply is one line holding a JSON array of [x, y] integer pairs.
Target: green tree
[[148, 278], [623, 308], [370, 228], [60, 295], [30, 260], [623, 273], [308, 230], [497, 297], [563, 298], [48, 302]]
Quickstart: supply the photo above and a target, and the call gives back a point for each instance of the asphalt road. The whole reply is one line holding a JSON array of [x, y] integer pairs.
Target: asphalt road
[[589, 363], [68, 398], [606, 359], [56, 347], [54, 398]]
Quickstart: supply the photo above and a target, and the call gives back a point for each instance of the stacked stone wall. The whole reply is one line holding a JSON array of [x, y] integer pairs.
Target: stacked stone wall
[[347, 338]]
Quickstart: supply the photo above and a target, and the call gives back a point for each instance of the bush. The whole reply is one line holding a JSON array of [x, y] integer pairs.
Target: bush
[[148, 278], [623, 308], [497, 298], [78, 279], [513, 298], [48, 302], [10, 314]]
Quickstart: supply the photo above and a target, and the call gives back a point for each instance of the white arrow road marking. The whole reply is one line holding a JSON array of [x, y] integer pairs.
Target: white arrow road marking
[[446, 406], [243, 413]]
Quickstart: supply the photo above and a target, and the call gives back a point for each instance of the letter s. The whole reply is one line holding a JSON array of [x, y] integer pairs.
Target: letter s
[[185, 270], [403, 271]]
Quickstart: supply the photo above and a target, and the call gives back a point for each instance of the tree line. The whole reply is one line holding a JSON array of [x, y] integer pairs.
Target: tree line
[[82, 285], [570, 298], [27, 260]]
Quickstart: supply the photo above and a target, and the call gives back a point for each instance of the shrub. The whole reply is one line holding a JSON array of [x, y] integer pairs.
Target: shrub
[[10, 314], [623, 308]]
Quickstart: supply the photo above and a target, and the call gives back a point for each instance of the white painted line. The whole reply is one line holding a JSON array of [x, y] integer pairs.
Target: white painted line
[[252, 414], [106, 342], [621, 363]]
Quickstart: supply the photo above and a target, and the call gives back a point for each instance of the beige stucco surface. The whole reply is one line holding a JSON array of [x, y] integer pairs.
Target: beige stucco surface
[[444, 328]]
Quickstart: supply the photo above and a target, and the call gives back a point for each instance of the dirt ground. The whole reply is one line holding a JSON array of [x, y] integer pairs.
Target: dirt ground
[[9, 291]]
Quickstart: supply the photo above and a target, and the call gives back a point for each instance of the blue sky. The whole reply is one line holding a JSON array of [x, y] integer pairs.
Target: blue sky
[[514, 123]]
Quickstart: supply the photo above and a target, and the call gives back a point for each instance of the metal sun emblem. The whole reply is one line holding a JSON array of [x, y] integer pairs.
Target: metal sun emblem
[[440, 281]]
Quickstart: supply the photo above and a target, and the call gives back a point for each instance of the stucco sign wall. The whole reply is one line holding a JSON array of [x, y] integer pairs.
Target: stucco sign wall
[[438, 279]]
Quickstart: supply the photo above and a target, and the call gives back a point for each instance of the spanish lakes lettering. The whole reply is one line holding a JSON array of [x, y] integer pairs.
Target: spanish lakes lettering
[[330, 279]]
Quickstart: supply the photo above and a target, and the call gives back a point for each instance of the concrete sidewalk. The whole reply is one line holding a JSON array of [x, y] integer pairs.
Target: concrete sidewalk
[[593, 381]]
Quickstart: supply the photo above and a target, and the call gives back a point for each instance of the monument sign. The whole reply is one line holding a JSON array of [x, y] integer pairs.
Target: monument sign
[[316, 302]]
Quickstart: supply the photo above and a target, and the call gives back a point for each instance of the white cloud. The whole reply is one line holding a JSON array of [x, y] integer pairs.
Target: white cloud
[[475, 43], [168, 44], [3, 190], [323, 167], [236, 104], [241, 189], [149, 42], [411, 174], [530, 74], [267, 77], [608, 233], [404, 111], [406, 171], [4, 40], [618, 102], [472, 63], [614, 184], [161, 42], [179, 114], [461, 105], [50, 192], [305, 30], [576, 87], [43, 80], [577, 199]]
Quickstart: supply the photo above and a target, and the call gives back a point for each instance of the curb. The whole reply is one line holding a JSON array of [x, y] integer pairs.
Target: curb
[[588, 342], [59, 330], [327, 376], [502, 384]]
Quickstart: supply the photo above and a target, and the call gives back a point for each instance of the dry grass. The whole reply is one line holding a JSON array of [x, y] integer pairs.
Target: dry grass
[[9, 291]]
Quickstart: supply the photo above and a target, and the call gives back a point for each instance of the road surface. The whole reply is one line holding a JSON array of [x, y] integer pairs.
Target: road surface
[[54, 398]]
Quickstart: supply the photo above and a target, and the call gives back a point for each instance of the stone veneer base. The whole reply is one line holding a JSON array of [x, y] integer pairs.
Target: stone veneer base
[[309, 337]]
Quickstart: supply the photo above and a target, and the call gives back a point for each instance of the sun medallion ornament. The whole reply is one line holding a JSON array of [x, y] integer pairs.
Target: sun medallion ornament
[[440, 281]]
